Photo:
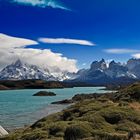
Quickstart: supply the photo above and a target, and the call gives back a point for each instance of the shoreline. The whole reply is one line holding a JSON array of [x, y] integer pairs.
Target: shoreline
[[41, 113], [39, 84]]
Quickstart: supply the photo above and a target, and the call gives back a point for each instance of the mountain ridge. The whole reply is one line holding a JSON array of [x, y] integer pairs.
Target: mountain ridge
[[23, 71], [99, 72]]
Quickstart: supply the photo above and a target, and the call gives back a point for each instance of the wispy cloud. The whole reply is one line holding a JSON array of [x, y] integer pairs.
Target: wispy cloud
[[41, 3], [12, 48], [14, 42], [121, 51], [66, 41]]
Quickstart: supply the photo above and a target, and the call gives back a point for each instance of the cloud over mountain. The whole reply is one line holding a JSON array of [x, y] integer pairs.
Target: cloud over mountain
[[12, 48], [137, 55]]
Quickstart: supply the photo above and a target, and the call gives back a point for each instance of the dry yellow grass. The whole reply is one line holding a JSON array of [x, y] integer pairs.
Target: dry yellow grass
[[135, 106]]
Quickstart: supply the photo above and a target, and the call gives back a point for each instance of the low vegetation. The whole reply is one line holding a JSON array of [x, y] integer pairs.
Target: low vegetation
[[113, 116], [44, 93]]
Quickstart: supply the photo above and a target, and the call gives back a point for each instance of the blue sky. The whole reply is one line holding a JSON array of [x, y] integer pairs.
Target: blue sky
[[113, 25]]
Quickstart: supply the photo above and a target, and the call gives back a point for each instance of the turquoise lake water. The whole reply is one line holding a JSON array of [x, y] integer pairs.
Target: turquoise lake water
[[19, 108]]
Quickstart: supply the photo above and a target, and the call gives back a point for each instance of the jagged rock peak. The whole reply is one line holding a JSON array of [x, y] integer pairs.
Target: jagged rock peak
[[20, 70], [102, 61], [18, 62], [98, 65]]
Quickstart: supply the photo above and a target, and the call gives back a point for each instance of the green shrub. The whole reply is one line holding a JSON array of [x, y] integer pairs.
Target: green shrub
[[67, 116], [35, 135], [74, 133]]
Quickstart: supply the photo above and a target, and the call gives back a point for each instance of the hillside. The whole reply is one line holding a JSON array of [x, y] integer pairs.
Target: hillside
[[103, 117], [29, 84], [37, 84]]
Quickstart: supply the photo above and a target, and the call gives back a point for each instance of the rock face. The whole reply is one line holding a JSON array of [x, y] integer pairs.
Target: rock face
[[44, 93], [116, 70], [101, 65], [133, 66], [117, 73]]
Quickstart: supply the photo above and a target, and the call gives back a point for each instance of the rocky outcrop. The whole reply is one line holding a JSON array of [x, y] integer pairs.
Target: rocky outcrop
[[66, 101]]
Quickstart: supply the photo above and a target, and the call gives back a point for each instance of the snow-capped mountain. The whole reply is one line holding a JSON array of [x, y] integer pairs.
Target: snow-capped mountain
[[133, 66], [117, 70], [100, 73], [22, 71]]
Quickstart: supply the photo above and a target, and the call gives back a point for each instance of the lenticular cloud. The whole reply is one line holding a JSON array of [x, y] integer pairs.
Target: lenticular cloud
[[66, 41], [13, 48]]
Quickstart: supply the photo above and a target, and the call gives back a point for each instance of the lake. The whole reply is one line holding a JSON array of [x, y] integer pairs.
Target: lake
[[19, 108]]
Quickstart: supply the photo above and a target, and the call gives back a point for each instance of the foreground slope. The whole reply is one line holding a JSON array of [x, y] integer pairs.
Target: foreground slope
[[104, 117]]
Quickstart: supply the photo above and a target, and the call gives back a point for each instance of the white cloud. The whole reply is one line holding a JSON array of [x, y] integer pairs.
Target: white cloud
[[41, 3], [12, 48], [137, 55], [66, 41], [121, 51], [14, 42]]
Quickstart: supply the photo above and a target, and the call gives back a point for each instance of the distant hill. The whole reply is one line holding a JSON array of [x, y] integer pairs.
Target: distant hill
[[38, 84]]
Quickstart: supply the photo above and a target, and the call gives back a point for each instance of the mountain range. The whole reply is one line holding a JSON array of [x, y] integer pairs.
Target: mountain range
[[113, 73], [99, 72], [23, 71]]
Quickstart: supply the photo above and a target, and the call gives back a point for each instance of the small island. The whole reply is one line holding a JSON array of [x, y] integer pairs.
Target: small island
[[44, 93]]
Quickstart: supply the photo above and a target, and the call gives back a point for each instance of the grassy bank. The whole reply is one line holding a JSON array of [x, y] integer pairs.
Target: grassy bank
[[113, 116]]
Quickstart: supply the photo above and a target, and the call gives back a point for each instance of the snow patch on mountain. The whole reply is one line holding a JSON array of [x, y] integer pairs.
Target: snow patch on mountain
[[22, 71]]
